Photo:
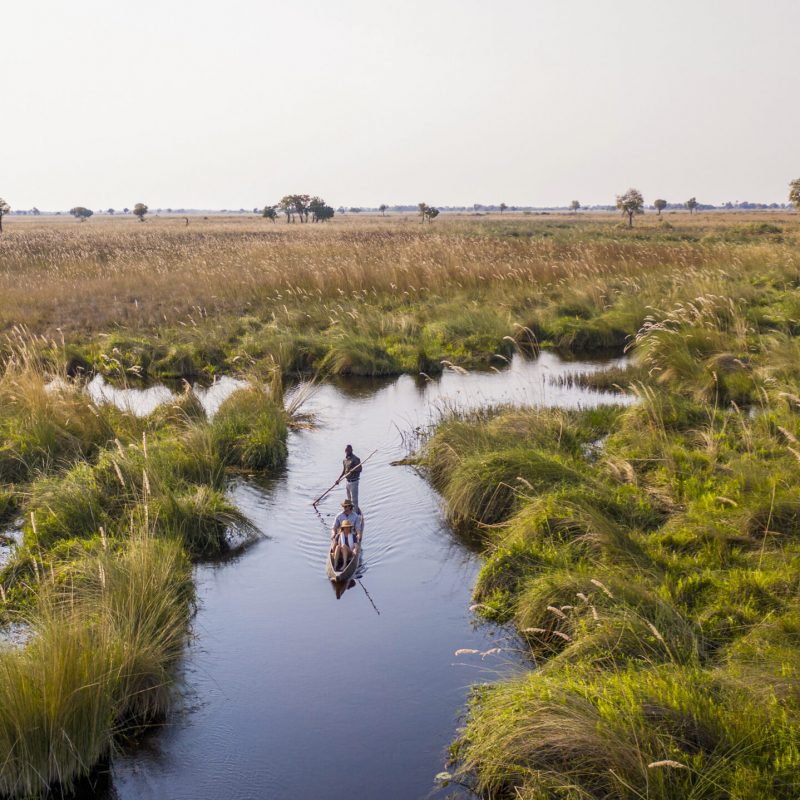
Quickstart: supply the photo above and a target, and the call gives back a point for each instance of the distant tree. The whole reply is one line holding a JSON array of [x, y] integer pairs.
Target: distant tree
[[631, 203], [476, 206], [140, 210], [692, 204], [110, 212], [169, 210], [356, 210], [574, 206], [314, 203], [126, 211], [341, 210], [794, 193], [286, 205], [269, 212], [81, 213], [295, 204], [427, 212], [503, 207], [35, 211], [4, 209], [382, 208], [318, 209], [301, 202], [659, 205]]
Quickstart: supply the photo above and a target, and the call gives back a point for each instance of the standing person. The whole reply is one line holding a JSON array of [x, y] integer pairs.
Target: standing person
[[351, 467]]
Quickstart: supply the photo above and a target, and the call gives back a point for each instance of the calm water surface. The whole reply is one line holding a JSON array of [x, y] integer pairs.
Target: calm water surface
[[293, 693]]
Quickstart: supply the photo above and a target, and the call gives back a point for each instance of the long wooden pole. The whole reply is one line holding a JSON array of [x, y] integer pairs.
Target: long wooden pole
[[326, 493]]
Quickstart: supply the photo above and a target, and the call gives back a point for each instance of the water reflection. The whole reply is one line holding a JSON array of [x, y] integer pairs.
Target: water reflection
[[142, 402], [340, 587]]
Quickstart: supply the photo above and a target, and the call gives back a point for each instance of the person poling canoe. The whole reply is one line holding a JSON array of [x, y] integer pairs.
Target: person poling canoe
[[351, 472], [355, 468]]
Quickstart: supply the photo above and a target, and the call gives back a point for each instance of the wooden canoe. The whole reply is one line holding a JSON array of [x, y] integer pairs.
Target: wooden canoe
[[349, 569]]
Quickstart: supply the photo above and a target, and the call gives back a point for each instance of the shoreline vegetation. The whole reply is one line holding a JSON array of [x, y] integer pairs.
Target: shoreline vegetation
[[114, 509], [648, 557]]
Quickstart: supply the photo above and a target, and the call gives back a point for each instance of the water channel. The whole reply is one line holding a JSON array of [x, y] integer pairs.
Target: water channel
[[290, 692]]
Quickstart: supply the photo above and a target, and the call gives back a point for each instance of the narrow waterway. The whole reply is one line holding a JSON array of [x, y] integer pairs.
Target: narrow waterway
[[292, 692]]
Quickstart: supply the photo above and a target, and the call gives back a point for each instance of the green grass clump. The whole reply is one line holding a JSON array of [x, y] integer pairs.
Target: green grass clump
[[671, 731], [100, 662], [249, 431], [45, 428], [359, 356], [200, 517], [469, 336], [486, 487], [176, 480]]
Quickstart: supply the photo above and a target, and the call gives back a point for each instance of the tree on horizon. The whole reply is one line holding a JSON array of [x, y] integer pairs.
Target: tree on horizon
[[631, 203], [427, 212], [139, 210], [4, 209], [794, 193], [81, 213], [659, 205], [692, 204]]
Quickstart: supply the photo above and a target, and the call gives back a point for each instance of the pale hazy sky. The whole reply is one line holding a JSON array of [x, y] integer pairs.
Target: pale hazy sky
[[232, 104]]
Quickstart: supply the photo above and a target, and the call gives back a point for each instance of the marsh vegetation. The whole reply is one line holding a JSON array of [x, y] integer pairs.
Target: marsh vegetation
[[648, 559], [647, 556]]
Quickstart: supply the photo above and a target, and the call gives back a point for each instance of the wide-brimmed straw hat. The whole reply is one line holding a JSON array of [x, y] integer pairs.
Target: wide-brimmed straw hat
[[346, 524], [347, 503]]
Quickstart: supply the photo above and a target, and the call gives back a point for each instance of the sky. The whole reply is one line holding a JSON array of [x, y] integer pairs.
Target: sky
[[201, 104]]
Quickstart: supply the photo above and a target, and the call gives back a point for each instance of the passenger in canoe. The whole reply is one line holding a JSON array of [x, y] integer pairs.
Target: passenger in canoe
[[346, 533], [351, 472], [348, 513]]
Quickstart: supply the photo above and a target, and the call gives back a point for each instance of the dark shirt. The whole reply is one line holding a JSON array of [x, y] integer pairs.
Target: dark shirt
[[352, 462]]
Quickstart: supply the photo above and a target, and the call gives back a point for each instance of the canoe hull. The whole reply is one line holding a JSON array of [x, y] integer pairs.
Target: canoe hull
[[340, 576]]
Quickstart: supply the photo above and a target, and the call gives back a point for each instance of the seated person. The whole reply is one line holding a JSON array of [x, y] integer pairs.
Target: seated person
[[349, 514], [344, 544]]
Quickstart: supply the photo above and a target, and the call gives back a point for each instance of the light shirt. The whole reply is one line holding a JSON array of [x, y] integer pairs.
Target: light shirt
[[353, 517]]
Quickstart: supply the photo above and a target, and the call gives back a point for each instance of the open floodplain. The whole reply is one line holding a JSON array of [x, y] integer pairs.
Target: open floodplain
[[583, 582]]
